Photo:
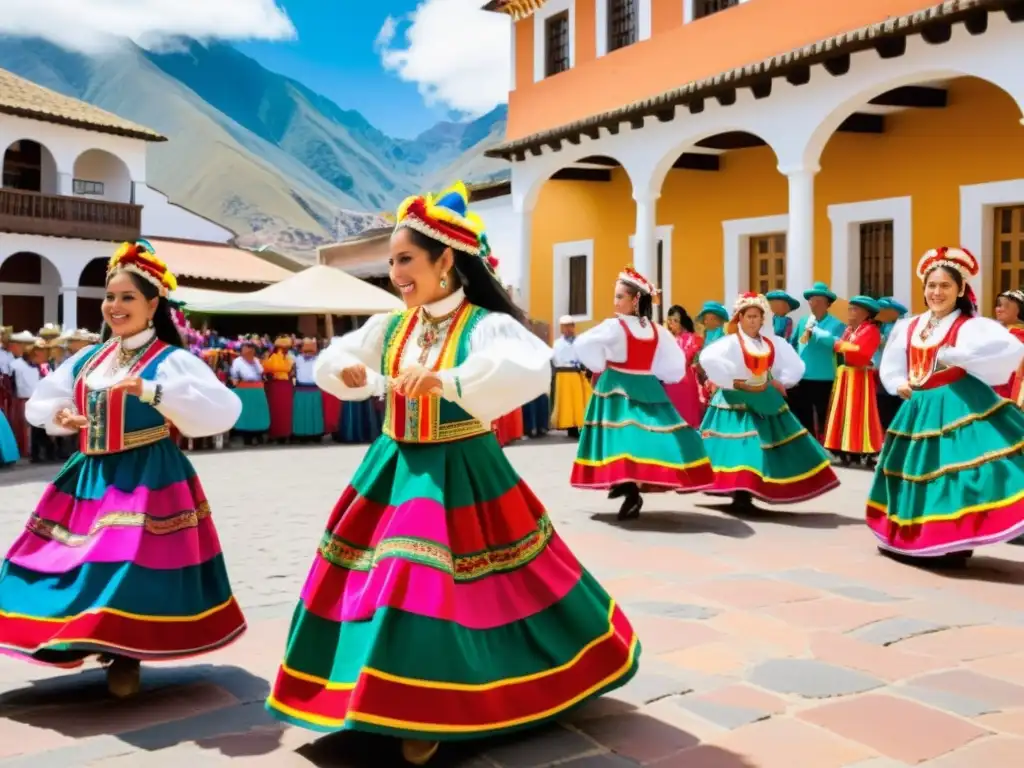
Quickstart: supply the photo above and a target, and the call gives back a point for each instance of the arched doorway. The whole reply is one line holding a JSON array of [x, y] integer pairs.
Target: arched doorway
[[30, 167], [102, 176], [29, 286], [90, 294]]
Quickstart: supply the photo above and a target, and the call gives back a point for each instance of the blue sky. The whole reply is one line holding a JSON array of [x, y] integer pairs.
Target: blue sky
[[335, 54]]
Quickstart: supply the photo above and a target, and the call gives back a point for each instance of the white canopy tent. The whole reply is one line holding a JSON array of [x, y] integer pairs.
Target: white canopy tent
[[318, 290]]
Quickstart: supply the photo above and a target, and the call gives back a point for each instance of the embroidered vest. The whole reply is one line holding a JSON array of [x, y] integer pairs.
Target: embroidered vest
[[922, 362], [431, 418], [117, 421], [639, 352]]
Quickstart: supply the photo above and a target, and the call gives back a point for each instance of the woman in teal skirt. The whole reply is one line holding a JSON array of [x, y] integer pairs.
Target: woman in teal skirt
[[308, 409], [950, 477], [9, 453], [756, 445], [247, 379], [441, 604], [633, 439]]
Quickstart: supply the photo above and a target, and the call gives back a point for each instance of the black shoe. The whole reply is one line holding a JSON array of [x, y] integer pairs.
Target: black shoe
[[742, 501], [574, 433], [631, 506]]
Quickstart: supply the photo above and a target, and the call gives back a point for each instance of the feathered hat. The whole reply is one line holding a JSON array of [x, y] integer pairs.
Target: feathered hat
[[140, 258], [748, 300], [446, 218], [630, 276]]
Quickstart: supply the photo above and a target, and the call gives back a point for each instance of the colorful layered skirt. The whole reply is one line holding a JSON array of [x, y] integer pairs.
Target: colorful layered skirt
[[9, 452], [509, 428], [572, 396], [854, 425], [120, 557], [757, 446], [308, 411], [442, 605], [255, 416], [633, 434], [281, 400], [951, 475]]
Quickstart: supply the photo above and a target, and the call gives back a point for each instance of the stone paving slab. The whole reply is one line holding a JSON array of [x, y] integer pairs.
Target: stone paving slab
[[779, 639]]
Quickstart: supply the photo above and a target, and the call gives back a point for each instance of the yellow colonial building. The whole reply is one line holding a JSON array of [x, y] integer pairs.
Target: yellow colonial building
[[723, 145]]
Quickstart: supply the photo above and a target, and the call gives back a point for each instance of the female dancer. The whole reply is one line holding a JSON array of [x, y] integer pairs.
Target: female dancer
[[1010, 314], [951, 474], [853, 430], [121, 558], [685, 395], [633, 439], [756, 445], [442, 605]]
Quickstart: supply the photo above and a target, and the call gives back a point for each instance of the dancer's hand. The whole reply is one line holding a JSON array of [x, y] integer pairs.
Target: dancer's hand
[[417, 382], [354, 376], [904, 391], [130, 386], [68, 419]]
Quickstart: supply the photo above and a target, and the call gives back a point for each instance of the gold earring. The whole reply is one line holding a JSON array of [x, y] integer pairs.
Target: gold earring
[[444, 280]]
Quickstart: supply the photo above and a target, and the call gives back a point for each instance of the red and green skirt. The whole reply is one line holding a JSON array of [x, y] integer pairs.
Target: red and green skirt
[[757, 446], [853, 424], [442, 605], [951, 474], [633, 434]]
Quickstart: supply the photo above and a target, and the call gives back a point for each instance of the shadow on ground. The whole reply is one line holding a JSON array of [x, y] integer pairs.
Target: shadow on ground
[[679, 522]]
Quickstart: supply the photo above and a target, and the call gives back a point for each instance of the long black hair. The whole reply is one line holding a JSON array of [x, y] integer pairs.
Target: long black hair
[[163, 321], [644, 304], [964, 303], [676, 310], [481, 286]]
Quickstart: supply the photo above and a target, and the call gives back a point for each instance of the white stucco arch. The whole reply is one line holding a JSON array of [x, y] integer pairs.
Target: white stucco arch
[[106, 168], [529, 176], [49, 168]]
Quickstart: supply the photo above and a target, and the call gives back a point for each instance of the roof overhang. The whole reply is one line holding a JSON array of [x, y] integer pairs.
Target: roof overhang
[[888, 38], [517, 9]]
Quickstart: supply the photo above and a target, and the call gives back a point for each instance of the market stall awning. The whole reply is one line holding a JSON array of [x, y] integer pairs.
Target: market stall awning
[[217, 261], [318, 290]]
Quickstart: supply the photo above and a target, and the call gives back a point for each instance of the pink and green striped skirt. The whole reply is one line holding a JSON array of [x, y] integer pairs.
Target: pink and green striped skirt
[[120, 557], [443, 605]]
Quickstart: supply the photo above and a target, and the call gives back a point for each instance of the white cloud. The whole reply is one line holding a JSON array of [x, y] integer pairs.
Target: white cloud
[[386, 34], [456, 53], [91, 25]]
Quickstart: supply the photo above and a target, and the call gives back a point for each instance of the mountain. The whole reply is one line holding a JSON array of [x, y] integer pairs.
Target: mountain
[[256, 151]]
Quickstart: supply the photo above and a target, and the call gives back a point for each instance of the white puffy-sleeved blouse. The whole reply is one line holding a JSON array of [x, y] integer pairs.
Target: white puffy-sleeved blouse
[[983, 348], [723, 361], [605, 344], [506, 367], [193, 399]]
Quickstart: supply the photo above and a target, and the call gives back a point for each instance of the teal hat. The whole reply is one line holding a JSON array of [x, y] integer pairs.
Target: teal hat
[[783, 296], [714, 308], [866, 302], [820, 289], [889, 302]]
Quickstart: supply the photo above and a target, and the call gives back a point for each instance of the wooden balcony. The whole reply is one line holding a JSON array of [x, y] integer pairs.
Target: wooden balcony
[[33, 213]]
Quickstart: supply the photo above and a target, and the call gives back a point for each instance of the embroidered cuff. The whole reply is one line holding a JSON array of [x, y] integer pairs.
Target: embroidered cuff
[[149, 392]]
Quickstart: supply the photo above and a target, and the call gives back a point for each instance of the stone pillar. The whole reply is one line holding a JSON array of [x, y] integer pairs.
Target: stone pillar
[[645, 241], [800, 238], [69, 300], [524, 221]]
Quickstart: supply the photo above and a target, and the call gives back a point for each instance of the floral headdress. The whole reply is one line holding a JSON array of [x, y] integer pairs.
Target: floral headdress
[[959, 259], [446, 218], [748, 300], [140, 258], [630, 276]]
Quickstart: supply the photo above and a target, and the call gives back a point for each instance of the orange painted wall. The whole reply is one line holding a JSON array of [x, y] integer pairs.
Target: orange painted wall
[[676, 54], [927, 154]]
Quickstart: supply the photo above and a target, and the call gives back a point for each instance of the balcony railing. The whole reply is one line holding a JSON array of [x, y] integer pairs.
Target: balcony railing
[[702, 8], [33, 213]]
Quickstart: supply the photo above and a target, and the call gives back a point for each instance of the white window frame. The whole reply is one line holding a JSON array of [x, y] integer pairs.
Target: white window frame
[[540, 18], [663, 233], [688, 10], [512, 55], [977, 228], [561, 253], [736, 249], [643, 24], [846, 219]]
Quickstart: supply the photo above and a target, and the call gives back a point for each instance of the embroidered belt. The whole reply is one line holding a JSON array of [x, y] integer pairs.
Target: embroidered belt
[[447, 432], [634, 371], [137, 439], [939, 379], [249, 385], [568, 370]]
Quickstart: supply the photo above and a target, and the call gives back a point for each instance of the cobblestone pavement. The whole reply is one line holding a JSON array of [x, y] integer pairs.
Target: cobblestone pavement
[[776, 640]]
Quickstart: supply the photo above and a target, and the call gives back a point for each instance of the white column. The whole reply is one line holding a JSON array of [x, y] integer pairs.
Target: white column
[[800, 237], [645, 243], [524, 221], [69, 297]]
